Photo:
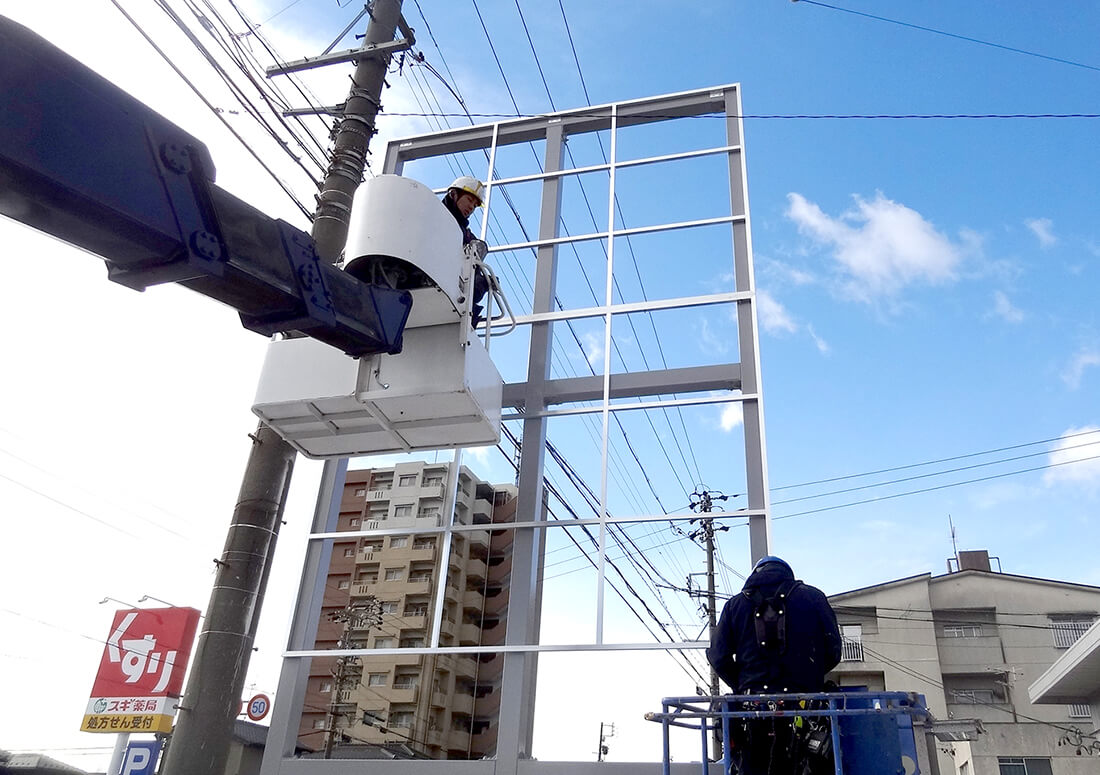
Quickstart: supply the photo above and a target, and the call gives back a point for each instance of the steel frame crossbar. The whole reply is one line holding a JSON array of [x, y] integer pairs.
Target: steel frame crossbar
[[706, 714]]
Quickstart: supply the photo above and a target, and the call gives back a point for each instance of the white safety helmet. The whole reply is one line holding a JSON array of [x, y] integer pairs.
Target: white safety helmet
[[469, 185]]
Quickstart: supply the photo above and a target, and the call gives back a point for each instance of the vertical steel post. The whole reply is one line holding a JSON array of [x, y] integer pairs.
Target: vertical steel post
[[287, 713], [515, 730], [200, 743], [756, 469]]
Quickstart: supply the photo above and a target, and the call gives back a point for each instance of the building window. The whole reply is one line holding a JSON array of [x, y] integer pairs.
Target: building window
[[349, 552], [407, 480], [416, 609], [384, 643], [354, 522], [1080, 711], [962, 631], [424, 543], [851, 642], [361, 492], [408, 681], [401, 718], [318, 723], [433, 481], [393, 574], [429, 511], [344, 584], [420, 576], [412, 642], [326, 687], [1011, 765], [972, 696], [378, 513], [397, 542], [403, 511], [389, 606], [376, 679], [1067, 631]]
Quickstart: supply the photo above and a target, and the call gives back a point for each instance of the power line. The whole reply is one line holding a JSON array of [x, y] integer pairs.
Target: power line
[[213, 109], [784, 116], [946, 34], [936, 473], [938, 487], [569, 323], [938, 460]]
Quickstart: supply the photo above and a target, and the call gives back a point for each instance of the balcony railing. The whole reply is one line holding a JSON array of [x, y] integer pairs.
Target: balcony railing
[[851, 649]]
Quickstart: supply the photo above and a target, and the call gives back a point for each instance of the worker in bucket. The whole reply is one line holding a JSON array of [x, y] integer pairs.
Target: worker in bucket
[[464, 196], [777, 636]]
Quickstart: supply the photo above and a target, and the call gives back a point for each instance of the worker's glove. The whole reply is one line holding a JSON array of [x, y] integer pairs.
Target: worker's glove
[[477, 249]]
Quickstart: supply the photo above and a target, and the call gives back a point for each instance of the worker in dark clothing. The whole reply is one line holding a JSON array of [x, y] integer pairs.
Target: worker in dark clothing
[[463, 196], [777, 636]]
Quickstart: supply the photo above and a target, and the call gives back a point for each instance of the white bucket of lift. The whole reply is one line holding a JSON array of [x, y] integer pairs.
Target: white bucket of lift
[[441, 391], [398, 217]]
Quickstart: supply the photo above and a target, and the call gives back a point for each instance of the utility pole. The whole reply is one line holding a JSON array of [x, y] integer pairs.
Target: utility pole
[[200, 740], [354, 616], [602, 750], [705, 505]]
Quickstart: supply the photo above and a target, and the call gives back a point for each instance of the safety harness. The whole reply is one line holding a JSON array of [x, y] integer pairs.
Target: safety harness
[[770, 615]]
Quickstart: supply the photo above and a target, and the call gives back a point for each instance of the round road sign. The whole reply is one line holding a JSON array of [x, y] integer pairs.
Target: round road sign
[[258, 707]]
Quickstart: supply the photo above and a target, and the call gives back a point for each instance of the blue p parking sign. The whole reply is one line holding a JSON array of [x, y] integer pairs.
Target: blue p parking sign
[[140, 758]]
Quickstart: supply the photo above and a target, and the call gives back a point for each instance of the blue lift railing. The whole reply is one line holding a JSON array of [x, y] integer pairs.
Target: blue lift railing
[[872, 732]]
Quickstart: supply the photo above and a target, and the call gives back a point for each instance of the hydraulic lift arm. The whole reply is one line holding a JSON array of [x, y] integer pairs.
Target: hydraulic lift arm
[[84, 161]]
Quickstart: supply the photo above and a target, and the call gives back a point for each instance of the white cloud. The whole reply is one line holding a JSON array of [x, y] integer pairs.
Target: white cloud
[[732, 416], [822, 346], [880, 246], [1005, 309], [1074, 459], [479, 454], [1075, 371], [775, 319], [773, 316], [783, 273], [593, 347], [1042, 228], [711, 341]]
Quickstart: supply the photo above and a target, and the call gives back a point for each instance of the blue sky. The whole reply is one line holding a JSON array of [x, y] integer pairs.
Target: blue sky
[[927, 291]]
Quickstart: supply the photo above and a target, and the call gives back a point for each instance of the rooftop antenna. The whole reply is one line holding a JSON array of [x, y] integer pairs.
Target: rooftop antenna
[[954, 544]]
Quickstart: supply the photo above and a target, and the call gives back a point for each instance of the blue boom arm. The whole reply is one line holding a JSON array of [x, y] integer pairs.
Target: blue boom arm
[[83, 161]]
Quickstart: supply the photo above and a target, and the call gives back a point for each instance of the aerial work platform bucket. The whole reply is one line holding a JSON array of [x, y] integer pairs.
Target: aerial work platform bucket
[[872, 733], [442, 390]]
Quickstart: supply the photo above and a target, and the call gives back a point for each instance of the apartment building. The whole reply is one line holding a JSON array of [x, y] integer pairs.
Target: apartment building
[[382, 593], [972, 640]]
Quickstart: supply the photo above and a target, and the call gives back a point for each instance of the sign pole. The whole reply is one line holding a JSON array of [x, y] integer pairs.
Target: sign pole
[[121, 741]]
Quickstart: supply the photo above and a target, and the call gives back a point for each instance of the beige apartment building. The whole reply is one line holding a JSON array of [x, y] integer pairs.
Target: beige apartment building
[[972, 641], [382, 593]]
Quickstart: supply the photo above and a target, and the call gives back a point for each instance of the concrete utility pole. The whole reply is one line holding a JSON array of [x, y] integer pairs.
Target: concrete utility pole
[[204, 727], [705, 504], [361, 616]]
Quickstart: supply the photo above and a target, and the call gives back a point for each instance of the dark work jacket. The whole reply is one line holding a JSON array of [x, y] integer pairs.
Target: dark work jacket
[[481, 285], [463, 221], [812, 642]]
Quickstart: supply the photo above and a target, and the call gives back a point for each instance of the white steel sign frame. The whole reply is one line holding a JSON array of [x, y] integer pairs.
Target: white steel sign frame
[[540, 398]]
